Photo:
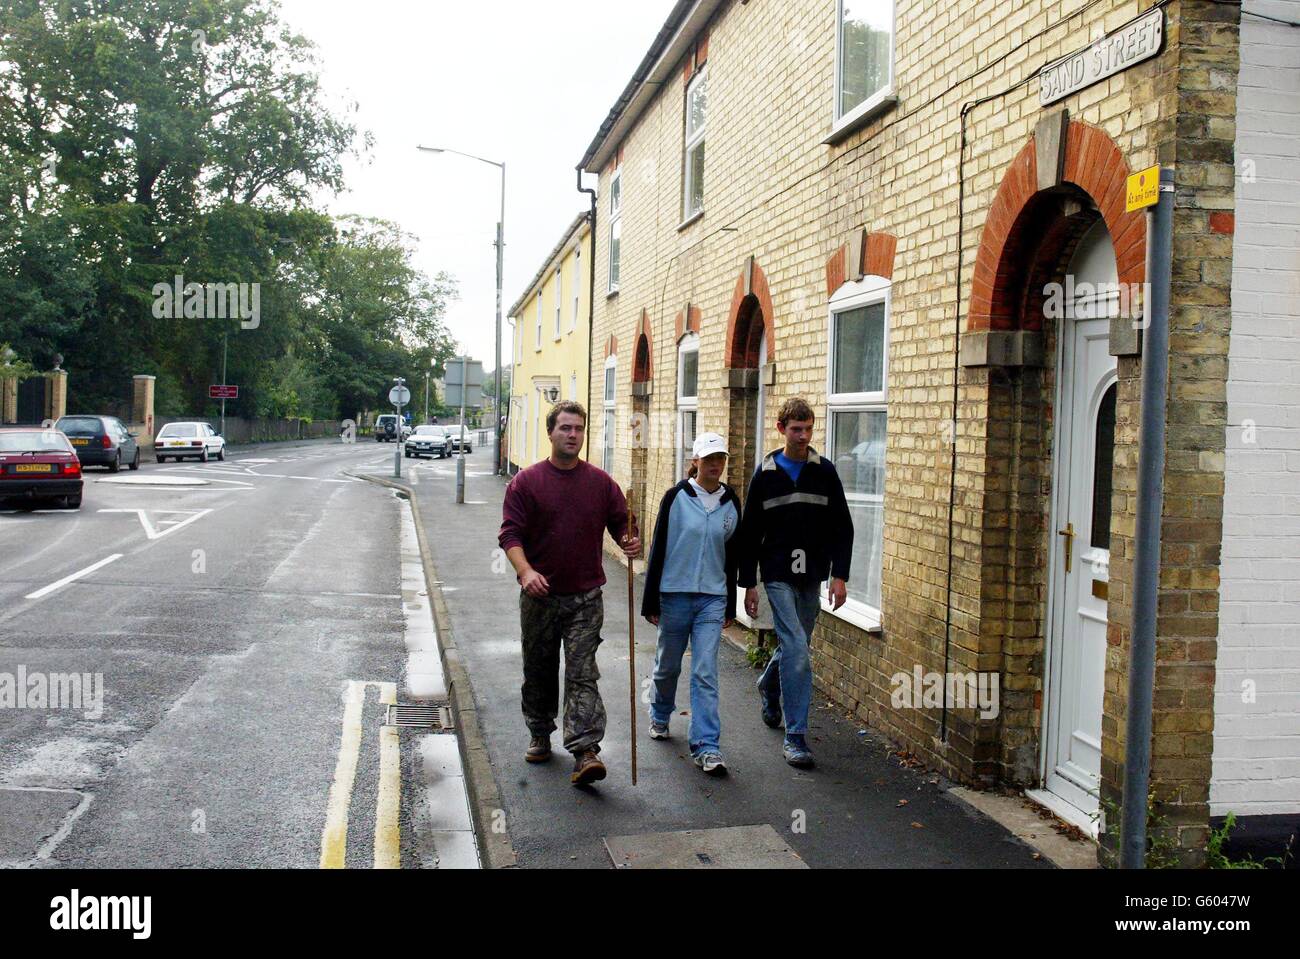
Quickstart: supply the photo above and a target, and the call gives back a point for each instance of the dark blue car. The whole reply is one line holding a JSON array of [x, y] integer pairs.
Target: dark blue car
[[101, 441]]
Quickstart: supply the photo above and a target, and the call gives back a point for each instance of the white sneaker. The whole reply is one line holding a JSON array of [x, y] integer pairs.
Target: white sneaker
[[711, 763], [658, 730]]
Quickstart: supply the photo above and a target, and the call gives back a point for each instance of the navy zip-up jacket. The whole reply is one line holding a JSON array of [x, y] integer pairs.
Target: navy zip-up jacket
[[693, 551], [795, 533]]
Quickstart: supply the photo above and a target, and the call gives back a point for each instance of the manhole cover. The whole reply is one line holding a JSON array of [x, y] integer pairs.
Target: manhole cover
[[734, 847]]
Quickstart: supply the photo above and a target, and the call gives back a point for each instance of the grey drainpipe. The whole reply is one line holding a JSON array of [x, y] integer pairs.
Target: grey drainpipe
[[591, 306], [1146, 537]]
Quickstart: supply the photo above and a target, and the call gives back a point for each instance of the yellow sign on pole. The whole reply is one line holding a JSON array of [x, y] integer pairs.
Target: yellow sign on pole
[[1143, 188]]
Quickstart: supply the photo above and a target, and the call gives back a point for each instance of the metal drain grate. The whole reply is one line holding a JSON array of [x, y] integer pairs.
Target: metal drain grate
[[433, 716]]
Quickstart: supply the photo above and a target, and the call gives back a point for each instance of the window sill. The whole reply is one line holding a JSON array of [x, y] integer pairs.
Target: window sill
[[611, 294], [856, 615], [845, 127], [690, 221]]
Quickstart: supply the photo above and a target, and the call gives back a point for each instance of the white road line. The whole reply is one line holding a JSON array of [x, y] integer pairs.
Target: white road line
[[47, 848], [75, 576], [241, 488], [151, 531]]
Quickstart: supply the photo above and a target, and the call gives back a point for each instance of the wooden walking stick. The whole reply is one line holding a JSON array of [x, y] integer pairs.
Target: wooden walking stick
[[631, 632]]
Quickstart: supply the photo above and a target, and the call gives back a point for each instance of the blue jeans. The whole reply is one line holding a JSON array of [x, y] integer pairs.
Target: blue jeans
[[697, 618], [788, 676]]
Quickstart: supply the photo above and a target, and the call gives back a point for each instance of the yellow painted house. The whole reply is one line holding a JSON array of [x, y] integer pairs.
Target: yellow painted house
[[551, 344]]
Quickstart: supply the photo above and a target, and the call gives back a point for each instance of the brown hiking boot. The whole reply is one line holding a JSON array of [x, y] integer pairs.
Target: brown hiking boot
[[539, 750], [587, 768]]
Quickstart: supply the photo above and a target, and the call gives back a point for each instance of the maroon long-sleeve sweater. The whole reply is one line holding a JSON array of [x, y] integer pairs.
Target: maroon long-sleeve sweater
[[559, 517]]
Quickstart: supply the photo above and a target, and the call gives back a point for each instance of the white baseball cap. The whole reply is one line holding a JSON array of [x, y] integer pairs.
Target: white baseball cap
[[708, 443]]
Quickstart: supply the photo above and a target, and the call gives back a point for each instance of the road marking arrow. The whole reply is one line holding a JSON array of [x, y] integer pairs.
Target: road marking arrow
[[152, 531]]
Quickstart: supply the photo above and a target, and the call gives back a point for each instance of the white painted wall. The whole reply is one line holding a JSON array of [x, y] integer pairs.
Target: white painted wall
[[1257, 745]]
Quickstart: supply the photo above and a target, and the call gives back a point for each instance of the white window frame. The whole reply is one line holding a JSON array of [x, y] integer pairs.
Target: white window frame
[[689, 143], [868, 105], [609, 402], [577, 287], [615, 228], [868, 291], [559, 298], [690, 343], [539, 321]]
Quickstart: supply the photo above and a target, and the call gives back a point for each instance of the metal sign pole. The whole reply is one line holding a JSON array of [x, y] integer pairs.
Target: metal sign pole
[[224, 343], [460, 461], [397, 453], [397, 395], [1146, 534]]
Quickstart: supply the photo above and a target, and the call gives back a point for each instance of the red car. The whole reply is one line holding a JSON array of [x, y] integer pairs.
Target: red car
[[39, 466]]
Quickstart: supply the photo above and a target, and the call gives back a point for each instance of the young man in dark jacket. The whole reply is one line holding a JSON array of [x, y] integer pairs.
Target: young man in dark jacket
[[798, 532]]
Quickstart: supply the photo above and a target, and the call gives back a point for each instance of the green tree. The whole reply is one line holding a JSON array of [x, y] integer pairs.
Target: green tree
[[377, 316], [145, 139]]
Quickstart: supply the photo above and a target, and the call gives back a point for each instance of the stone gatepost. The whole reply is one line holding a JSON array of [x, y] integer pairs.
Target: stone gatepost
[[9, 400], [56, 394], [142, 405]]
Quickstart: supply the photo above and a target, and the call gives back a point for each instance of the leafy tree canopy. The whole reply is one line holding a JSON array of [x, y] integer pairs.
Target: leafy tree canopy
[[145, 140]]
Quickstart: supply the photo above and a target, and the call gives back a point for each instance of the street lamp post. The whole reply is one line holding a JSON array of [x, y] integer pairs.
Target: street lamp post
[[501, 246]]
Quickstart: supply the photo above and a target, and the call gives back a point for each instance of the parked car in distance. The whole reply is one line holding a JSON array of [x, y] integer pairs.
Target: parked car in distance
[[389, 429], [428, 441], [458, 436], [101, 441], [178, 441], [39, 466]]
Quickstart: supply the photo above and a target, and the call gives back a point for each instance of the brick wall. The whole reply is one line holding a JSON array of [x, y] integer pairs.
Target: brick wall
[[1257, 698], [776, 192]]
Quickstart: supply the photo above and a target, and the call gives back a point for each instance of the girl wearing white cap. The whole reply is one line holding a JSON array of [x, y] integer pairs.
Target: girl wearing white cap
[[690, 594]]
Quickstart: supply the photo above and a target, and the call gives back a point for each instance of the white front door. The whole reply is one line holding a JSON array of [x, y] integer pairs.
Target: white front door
[[764, 618], [1079, 568]]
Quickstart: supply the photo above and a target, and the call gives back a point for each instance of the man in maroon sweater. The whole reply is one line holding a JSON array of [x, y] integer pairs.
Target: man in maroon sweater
[[553, 523]]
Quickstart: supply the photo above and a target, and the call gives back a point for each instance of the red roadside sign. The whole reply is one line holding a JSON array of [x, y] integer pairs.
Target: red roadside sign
[[223, 392]]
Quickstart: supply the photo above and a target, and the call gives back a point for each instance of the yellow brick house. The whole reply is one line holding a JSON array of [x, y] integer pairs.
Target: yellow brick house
[[865, 203], [550, 343]]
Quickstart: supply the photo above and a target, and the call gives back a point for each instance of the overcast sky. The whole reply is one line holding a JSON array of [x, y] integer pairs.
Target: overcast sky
[[526, 82]]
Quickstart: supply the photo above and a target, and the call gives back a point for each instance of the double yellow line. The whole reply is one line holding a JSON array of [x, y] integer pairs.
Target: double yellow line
[[388, 835]]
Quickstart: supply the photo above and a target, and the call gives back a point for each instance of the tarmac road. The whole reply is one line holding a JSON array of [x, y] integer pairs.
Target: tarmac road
[[227, 621]]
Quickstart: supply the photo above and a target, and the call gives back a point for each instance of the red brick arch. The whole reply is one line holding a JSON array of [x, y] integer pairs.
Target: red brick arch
[[750, 315], [878, 251], [687, 321], [1095, 165], [643, 362]]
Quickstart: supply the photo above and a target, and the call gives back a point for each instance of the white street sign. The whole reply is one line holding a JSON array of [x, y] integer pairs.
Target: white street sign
[[399, 396], [1129, 45]]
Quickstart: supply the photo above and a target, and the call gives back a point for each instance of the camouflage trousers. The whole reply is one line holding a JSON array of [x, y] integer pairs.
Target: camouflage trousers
[[573, 621]]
